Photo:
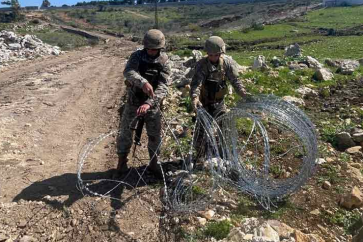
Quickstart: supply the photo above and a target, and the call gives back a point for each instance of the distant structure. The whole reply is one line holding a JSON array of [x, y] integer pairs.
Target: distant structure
[[337, 3]]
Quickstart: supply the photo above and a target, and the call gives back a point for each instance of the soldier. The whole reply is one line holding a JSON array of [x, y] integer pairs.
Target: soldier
[[147, 78], [209, 83]]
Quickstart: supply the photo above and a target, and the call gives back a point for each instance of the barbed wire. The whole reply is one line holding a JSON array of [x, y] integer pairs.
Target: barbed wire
[[239, 151]]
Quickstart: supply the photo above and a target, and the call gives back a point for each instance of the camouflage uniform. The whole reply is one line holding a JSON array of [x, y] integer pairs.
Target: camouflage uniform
[[209, 83], [139, 70]]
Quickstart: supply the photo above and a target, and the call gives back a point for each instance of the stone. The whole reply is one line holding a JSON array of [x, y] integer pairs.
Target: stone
[[353, 200], [359, 236], [344, 141], [354, 150], [360, 63], [293, 51], [326, 185], [297, 66], [259, 63], [315, 212], [355, 173], [347, 67], [306, 92], [301, 237], [358, 137], [209, 214], [201, 221], [267, 233], [197, 55], [248, 237], [323, 74], [282, 229], [236, 235], [27, 238], [3, 237], [294, 100], [331, 63], [313, 63], [320, 161], [356, 165], [22, 223]]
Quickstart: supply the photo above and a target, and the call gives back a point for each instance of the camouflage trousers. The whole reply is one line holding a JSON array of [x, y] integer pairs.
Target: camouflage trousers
[[153, 129], [200, 142]]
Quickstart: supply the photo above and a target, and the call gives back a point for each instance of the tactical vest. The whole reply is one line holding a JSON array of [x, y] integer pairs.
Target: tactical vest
[[214, 87], [151, 72]]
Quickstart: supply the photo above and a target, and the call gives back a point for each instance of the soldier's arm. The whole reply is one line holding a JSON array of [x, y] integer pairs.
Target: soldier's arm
[[197, 80], [131, 73], [162, 89], [233, 77]]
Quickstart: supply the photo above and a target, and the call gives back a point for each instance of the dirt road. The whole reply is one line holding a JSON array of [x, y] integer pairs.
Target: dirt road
[[49, 108]]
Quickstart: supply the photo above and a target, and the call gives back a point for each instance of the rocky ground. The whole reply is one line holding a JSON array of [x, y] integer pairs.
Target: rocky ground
[[53, 105]]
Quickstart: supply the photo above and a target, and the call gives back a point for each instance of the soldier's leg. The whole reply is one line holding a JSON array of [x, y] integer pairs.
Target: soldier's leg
[[153, 129], [124, 140]]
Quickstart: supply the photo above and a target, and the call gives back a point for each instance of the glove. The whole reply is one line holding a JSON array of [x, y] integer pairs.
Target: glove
[[196, 104]]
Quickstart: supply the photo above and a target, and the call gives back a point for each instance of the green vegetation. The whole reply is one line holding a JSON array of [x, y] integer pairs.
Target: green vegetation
[[349, 220], [218, 230]]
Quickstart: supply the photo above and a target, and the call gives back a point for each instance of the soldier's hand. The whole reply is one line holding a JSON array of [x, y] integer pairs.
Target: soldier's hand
[[148, 89], [142, 110], [196, 104]]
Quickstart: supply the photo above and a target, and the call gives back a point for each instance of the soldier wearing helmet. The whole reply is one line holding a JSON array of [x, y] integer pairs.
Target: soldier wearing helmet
[[209, 83], [147, 78]]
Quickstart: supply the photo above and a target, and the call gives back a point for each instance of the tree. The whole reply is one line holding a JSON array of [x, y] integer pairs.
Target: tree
[[45, 4], [15, 9]]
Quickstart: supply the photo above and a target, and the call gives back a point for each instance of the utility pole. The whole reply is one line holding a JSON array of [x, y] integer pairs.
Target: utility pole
[[156, 15]]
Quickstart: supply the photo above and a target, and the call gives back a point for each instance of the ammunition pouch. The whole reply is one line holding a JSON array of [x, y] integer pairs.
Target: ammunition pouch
[[213, 91]]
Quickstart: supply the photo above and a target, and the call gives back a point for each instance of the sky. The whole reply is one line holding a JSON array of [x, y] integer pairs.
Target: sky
[[24, 3]]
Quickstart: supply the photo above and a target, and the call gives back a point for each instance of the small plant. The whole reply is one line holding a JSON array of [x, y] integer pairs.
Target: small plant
[[349, 220], [218, 230]]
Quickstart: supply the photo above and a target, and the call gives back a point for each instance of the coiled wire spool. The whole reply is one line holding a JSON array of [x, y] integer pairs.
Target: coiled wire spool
[[258, 180]]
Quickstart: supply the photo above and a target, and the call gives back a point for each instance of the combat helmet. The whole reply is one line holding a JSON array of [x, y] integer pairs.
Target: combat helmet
[[154, 39], [215, 44]]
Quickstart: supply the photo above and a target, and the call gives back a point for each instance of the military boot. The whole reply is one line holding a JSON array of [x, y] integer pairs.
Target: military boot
[[155, 168], [121, 166]]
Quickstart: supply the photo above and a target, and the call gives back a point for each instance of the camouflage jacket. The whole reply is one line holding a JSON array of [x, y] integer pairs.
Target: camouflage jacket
[[204, 69], [135, 79]]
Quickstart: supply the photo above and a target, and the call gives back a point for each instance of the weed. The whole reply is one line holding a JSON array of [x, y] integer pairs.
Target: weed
[[349, 220], [218, 230]]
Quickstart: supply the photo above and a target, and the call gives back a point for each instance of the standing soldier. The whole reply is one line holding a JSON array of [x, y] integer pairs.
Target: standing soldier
[[147, 78], [209, 83]]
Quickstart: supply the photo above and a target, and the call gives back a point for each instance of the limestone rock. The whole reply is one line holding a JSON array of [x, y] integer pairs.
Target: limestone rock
[[236, 235], [307, 92], [358, 137], [323, 74], [201, 221], [293, 50], [354, 150], [27, 238], [344, 141], [313, 63], [282, 229], [267, 233], [294, 100], [260, 63], [352, 200], [209, 214], [347, 67], [301, 237], [326, 185], [297, 66]]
